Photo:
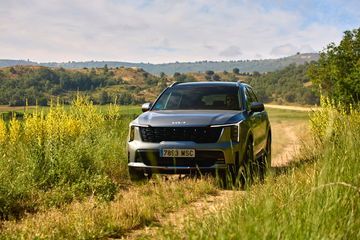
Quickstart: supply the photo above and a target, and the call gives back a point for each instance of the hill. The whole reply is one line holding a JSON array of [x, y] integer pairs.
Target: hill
[[38, 84], [266, 65], [285, 86]]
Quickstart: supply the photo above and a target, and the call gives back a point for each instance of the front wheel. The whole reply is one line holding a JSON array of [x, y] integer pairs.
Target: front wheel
[[246, 169], [138, 175], [265, 160]]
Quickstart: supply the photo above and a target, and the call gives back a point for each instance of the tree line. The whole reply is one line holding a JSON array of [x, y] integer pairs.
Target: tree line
[[36, 85]]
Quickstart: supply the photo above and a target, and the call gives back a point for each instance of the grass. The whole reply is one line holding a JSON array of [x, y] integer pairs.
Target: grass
[[276, 115], [21, 110], [134, 207], [64, 176], [308, 201], [68, 155]]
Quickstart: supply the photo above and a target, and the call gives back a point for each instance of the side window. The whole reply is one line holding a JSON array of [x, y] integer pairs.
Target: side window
[[161, 103], [253, 95], [250, 97]]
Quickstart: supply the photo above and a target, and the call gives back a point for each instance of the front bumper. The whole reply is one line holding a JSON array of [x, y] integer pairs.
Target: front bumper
[[208, 158], [137, 166]]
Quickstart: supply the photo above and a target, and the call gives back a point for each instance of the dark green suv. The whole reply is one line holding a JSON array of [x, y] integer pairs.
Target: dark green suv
[[201, 127]]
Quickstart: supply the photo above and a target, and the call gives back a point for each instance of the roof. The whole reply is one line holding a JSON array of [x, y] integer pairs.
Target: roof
[[230, 84]]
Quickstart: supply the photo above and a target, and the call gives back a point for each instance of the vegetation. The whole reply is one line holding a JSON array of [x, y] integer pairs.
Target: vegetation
[[132, 208], [316, 198], [64, 175], [289, 85], [40, 84], [337, 72], [50, 160], [125, 86]]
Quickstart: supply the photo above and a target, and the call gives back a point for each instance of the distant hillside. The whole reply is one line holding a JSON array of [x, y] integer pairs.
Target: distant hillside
[[267, 65], [288, 85], [38, 84]]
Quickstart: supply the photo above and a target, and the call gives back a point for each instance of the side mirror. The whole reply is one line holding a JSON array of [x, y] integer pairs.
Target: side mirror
[[257, 107], [146, 106]]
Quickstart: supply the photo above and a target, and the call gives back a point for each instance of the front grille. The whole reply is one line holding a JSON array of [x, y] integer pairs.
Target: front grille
[[195, 134], [202, 159]]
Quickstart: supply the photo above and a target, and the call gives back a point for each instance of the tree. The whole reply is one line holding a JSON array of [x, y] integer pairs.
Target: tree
[[216, 77], [337, 72], [236, 70], [256, 74], [209, 72], [106, 69], [104, 97], [12, 70]]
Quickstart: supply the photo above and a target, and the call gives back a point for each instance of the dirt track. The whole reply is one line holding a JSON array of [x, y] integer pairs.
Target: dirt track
[[296, 108]]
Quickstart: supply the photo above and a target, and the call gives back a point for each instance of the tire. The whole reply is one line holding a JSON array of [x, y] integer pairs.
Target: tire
[[138, 175], [265, 160], [246, 168]]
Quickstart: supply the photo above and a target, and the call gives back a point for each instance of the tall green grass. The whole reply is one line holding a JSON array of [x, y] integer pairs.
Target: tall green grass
[[67, 153], [316, 198]]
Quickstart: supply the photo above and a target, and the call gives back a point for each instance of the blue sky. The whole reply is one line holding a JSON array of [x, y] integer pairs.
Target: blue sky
[[159, 31]]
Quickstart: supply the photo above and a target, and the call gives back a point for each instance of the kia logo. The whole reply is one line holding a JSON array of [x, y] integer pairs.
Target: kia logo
[[177, 123]]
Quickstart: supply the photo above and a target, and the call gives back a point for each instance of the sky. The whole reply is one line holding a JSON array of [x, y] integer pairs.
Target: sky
[[160, 31]]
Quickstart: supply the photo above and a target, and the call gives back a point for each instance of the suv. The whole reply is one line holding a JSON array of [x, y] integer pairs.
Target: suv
[[217, 127]]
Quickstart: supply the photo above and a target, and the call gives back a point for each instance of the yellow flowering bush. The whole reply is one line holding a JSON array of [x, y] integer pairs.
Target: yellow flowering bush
[[333, 118], [3, 132], [14, 130], [62, 124], [61, 152]]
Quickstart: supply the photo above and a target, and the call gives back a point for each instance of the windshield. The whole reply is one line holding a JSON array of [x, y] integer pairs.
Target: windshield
[[213, 97]]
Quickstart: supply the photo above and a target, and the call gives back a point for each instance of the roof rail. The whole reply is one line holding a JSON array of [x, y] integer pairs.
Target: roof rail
[[174, 83]]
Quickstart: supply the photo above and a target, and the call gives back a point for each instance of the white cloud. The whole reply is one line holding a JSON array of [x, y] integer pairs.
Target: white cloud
[[154, 31], [284, 50], [232, 51]]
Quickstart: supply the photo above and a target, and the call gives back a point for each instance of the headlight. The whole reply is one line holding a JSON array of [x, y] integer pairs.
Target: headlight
[[133, 127], [131, 133], [234, 130], [234, 133]]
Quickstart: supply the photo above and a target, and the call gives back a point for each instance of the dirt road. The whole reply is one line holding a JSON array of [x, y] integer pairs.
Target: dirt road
[[198, 209], [296, 108]]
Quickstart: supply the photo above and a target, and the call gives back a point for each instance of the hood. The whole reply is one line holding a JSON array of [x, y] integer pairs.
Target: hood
[[188, 118]]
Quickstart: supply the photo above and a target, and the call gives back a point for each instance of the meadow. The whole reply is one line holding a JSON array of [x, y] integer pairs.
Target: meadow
[[64, 176]]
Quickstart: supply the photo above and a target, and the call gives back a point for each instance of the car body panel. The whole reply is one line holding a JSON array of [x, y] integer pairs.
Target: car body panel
[[186, 118], [251, 125]]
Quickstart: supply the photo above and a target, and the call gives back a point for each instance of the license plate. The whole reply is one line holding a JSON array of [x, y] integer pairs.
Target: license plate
[[188, 153]]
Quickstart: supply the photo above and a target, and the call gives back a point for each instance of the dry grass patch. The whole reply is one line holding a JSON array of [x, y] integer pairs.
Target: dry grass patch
[[133, 208]]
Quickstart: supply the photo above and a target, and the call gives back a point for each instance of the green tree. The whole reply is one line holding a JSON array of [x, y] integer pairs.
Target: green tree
[[236, 70], [216, 77], [209, 72], [12, 70], [337, 72], [104, 98], [106, 69], [256, 74]]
